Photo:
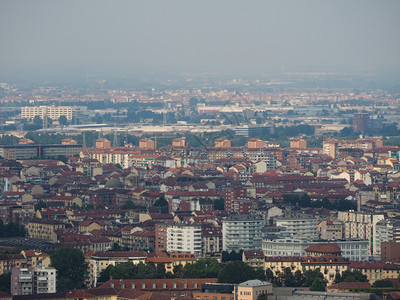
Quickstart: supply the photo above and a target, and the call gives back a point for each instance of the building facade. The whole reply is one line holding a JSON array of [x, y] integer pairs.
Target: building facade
[[242, 232], [53, 112], [30, 281], [184, 238]]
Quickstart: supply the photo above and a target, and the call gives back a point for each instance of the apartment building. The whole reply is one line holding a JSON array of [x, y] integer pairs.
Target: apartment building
[[26, 151], [184, 238], [252, 289], [28, 281], [329, 265], [361, 225], [242, 232], [44, 229], [98, 261], [120, 156], [331, 146], [10, 261], [352, 249], [222, 143], [147, 144], [331, 230], [298, 143], [180, 142], [299, 226], [53, 112]]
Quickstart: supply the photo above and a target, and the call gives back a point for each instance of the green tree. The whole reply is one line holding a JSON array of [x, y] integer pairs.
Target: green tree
[[11, 229], [269, 275], [5, 282], [351, 276], [287, 278], [123, 271], [129, 205], [162, 204], [219, 204], [146, 271], [236, 272], [160, 270], [70, 266], [382, 284], [232, 256], [63, 120], [311, 275], [203, 268], [299, 278], [37, 121], [178, 271], [318, 285], [105, 274]]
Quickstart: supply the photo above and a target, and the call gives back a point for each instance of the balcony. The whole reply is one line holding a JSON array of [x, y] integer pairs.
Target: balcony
[[25, 279]]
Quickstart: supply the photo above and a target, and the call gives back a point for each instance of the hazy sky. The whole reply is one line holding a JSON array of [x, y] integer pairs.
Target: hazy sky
[[201, 35]]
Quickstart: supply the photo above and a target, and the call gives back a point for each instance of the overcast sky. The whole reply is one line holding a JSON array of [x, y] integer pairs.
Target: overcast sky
[[201, 35]]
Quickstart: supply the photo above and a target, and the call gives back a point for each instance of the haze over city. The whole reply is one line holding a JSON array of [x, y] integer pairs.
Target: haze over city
[[191, 36]]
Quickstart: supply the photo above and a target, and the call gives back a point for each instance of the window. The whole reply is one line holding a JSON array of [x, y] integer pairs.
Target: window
[[164, 285], [174, 285], [143, 285]]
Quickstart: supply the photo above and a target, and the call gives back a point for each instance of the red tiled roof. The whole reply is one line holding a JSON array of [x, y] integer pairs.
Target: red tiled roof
[[324, 248], [169, 283], [350, 285]]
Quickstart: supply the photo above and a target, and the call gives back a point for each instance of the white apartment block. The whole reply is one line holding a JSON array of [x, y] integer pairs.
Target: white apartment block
[[242, 232], [299, 227], [361, 226], [184, 238], [52, 112], [112, 156], [384, 233]]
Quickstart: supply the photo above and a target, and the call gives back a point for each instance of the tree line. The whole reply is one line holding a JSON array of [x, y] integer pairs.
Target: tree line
[[233, 272], [11, 230]]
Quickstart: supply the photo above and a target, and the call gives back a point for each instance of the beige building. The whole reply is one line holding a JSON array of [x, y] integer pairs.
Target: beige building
[[147, 144], [376, 270], [222, 143], [103, 144], [297, 143], [331, 230], [254, 143], [101, 260], [329, 265], [361, 225], [69, 142], [252, 289], [179, 142], [44, 229]]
